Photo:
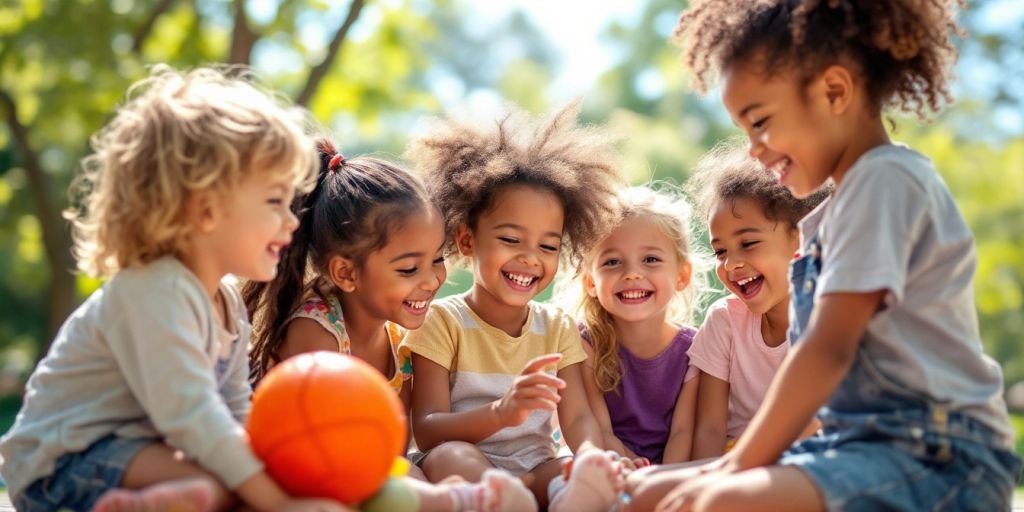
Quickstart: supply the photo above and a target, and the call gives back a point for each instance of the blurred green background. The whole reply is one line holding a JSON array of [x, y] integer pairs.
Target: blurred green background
[[370, 71]]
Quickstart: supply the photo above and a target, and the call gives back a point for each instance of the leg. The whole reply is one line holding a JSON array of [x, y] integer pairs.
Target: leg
[[648, 486], [157, 478], [497, 491], [538, 478], [768, 489], [595, 484], [455, 458]]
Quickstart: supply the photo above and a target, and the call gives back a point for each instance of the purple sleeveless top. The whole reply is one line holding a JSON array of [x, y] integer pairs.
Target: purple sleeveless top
[[641, 412]]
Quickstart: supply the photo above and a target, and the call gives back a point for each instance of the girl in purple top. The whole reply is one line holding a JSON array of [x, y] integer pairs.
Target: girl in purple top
[[640, 286]]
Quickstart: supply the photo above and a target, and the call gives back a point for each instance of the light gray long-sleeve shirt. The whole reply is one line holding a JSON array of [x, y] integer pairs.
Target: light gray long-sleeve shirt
[[144, 357]]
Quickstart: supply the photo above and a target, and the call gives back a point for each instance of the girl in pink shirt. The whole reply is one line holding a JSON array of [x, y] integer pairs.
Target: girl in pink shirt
[[752, 223]]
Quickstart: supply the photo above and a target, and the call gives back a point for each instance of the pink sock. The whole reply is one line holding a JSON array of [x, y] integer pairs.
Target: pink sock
[[497, 491]]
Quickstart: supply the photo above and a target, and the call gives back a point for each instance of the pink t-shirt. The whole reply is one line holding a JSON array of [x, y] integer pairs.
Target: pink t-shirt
[[729, 346]]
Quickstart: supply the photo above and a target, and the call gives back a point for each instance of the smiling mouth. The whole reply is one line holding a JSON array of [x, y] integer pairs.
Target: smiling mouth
[[780, 168], [749, 286], [520, 281], [634, 296], [417, 306], [275, 249]]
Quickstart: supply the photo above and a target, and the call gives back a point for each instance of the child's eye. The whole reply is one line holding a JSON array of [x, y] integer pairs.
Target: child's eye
[[719, 253], [407, 271], [549, 248], [276, 201], [611, 262], [508, 240], [759, 124], [652, 259], [439, 260], [749, 243]]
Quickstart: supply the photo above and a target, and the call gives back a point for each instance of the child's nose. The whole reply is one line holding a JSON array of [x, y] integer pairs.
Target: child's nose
[[529, 257], [435, 280], [756, 148], [733, 263], [291, 222], [632, 273]]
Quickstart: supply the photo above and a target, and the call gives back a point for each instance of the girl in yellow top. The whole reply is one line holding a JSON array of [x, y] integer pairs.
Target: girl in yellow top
[[518, 197]]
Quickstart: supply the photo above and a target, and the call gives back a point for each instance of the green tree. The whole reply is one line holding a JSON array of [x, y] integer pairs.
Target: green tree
[[362, 68]]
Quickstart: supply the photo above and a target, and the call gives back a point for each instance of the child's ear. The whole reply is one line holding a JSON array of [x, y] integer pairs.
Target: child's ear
[[202, 211], [685, 274], [343, 273], [589, 285], [464, 240], [837, 85]]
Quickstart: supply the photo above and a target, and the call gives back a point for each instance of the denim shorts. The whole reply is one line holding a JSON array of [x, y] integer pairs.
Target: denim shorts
[[883, 446], [917, 457], [79, 479]]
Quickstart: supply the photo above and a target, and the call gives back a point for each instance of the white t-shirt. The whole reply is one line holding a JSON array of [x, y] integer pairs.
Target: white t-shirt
[[730, 347], [893, 225]]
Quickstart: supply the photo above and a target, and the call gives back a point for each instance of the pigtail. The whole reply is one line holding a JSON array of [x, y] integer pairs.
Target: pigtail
[[600, 326], [270, 304]]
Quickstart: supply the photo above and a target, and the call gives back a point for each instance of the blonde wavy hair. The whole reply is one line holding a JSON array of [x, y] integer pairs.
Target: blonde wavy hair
[[667, 208], [180, 132]]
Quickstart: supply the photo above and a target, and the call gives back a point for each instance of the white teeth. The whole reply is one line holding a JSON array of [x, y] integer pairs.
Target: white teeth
[[419, 304], [520, 279], [743, 282], [780, 166], [634, 294]]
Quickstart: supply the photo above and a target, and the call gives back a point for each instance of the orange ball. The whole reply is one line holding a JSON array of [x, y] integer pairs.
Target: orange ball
[[327, 425]]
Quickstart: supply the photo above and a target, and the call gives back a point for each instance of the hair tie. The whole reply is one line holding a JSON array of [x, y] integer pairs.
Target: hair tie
[[336, 161]]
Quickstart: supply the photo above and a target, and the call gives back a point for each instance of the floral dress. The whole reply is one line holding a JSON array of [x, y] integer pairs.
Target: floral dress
[[328, 315]]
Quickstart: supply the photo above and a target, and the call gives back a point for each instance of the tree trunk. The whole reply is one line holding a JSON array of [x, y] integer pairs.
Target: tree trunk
[[320, 71], [56, 238], [242, 38]]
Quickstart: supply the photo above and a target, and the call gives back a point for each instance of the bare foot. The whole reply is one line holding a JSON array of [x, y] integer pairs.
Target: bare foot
[[594, 484], [497, 491], [192, 495]]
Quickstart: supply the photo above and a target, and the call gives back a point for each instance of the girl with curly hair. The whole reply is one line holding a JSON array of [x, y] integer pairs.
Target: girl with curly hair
[[491, 365], [885, 333]]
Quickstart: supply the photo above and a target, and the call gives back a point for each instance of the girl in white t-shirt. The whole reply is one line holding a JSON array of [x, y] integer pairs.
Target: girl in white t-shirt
[[752, 224]]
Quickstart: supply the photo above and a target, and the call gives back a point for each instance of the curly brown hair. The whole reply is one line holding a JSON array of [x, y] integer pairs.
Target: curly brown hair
[[728, 173], [903, 48], [465, 164]]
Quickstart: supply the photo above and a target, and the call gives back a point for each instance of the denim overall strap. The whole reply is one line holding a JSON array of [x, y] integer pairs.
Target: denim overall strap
[[803, 279]]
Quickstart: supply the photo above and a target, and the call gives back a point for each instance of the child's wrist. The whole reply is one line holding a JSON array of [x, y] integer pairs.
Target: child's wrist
[[495, 408]]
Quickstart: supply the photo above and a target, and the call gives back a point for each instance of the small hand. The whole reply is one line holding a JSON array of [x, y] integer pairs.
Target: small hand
[[532, 390]]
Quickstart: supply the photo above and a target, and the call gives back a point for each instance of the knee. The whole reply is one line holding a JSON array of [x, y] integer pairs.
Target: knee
[[447, 455]]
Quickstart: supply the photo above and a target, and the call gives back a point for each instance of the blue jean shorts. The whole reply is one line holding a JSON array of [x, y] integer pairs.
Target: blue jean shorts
[[79, 479], [884, 447]]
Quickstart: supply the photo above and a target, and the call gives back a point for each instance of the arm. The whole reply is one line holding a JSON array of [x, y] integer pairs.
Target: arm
[[808, 377], [595, 399], [434, 423], [712, 417], [306, 335], [579, 427], [679, 446]]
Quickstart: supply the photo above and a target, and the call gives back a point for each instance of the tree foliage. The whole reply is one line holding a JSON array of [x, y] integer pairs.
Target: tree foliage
[[370, 70]]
